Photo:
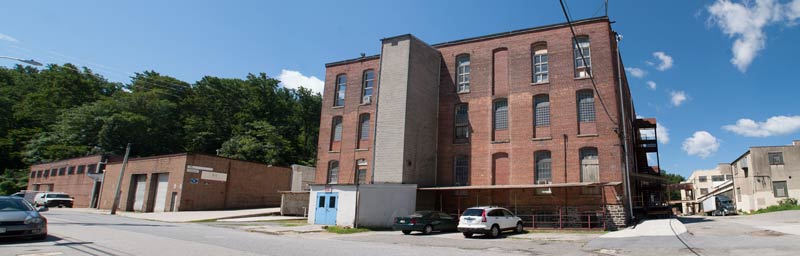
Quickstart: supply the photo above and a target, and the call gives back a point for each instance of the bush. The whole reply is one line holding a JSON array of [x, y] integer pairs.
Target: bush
[[788, 202]]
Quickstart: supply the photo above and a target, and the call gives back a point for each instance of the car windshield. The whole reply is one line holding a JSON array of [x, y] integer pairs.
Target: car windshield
[[473, 212], [57, 196], [14, 205]]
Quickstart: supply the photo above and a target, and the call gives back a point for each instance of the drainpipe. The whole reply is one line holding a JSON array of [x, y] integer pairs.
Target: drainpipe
[[624, 129]]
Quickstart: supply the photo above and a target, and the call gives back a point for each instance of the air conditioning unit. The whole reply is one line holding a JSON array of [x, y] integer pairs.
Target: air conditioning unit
[[366, 99]]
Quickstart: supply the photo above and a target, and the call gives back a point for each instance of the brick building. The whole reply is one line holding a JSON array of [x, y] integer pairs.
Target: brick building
[[509, 119], [81, 178], [192, 182]]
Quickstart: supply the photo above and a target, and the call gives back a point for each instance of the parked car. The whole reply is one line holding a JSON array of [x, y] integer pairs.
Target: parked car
[[425, 222], [18, 194], [18, 218], [53, 199], [488, 220]]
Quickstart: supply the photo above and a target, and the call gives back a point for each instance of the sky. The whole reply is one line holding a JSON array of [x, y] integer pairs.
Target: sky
[[717, 74]]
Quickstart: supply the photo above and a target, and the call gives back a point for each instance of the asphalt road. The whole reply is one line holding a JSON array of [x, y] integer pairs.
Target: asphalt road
[[74, 233]]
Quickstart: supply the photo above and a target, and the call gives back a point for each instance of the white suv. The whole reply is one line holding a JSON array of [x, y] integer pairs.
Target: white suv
[[488, 220]]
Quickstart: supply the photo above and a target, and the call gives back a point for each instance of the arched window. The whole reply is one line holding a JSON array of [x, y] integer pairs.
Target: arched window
[[586, 111], [583, 56], [543, 174], [462, 73], [590, 166], [337, 128], [539, 63], [368, 81], [333, 172], [341, 86], [461, 171], [501, 115], [541, 113]]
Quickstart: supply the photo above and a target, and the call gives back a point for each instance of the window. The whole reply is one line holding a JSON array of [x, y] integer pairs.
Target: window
[[702, 179], [53, 172], [367, 84], [717, 178], [92, 168], [47, 174], [590, 166], [583, 57], [337, 128], [462, 73], [541, 113], [62, 171], [780, 189], [321, 202], [33, 174], [543, 167], [703, 191], [361, 175], [71, 170], [462, 123], [333, 172], [81, 169], [775, 158], [363, 127], [586, 111], [461, 171], [728, 177], [341, 86], [501, 115], [332, 202], [540, 68], [38, 174], [738, 194]]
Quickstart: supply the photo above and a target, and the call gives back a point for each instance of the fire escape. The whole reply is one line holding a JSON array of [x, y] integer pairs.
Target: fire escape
[[649, 186]]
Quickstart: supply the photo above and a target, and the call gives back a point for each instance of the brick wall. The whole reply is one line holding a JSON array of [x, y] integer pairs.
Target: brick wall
[[77, 185]]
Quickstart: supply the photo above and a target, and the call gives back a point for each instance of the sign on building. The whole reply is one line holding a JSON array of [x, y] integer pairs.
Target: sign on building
[[217, 176]]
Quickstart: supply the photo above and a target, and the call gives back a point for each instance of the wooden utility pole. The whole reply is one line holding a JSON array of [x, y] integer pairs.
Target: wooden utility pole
[[119, 180]]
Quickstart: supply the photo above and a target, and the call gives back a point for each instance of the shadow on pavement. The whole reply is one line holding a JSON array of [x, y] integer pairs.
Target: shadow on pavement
[[27, 240], [685, 220], [115, 224]]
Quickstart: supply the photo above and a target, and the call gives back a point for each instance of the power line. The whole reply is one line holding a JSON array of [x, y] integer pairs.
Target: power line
[[583, 58]]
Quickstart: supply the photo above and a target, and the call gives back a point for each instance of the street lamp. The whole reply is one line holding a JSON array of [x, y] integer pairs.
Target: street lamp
[[30, 62]]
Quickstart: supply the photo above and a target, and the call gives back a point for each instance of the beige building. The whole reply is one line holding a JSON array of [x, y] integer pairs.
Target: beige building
[[763, 176], [706, 183]]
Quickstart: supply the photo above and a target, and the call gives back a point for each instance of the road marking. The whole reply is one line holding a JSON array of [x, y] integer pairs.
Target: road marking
[[42, 254]]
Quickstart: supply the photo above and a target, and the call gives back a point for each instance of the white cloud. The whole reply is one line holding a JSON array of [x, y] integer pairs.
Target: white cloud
[[776, 125], [701, 144], [664, 61], [678, 97], [294, 79], [5, 37], [636, 72], [661, 131], [745, 22], [651, 85]]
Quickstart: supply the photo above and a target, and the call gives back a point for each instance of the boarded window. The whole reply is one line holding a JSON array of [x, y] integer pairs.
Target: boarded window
[[501, 115], [590, 166], [543, 167], [462, 123], [341, 86], [337, 128], [333, 172], [461, 171], [364, 127], [541, 114], [780, 189], [586, 112], [462, 73]]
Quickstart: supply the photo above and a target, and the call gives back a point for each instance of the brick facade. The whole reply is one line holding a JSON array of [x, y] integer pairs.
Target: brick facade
[[73, 180]]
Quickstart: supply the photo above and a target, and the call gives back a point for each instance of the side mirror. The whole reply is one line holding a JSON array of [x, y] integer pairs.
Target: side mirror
[[43, 209]]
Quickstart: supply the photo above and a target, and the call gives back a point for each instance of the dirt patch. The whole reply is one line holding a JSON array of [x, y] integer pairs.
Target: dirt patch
[[766, 233]]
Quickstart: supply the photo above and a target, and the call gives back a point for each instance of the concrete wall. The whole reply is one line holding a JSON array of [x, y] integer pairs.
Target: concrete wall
[[77, 185], [381, 203], [346, 210], [422, 114], [756, 190], [294, 203], [302, 176]]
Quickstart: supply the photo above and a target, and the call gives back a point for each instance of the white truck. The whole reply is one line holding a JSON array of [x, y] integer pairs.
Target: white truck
[[718, 205]]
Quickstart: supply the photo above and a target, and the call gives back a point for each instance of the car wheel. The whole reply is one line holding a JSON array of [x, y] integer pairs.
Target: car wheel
[[495, 232], [467, 234], [406, 232], [519, 228], [427, 230]]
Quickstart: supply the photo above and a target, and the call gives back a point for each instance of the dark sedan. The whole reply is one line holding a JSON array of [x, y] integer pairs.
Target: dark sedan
[[19, 219], [425, 222]]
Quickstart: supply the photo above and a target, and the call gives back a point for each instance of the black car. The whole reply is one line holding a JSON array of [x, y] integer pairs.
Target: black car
[[425, 222]]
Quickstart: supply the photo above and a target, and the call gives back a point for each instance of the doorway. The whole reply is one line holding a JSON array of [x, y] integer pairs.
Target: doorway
[[327, 205]]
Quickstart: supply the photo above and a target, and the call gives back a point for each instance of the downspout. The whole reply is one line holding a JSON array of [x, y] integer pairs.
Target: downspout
[[624, 129]]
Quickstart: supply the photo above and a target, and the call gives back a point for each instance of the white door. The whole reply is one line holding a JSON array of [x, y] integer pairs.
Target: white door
[[138, 200], [161, 192]]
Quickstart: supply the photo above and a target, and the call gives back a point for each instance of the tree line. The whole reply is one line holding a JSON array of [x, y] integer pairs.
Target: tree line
[[63, 111]]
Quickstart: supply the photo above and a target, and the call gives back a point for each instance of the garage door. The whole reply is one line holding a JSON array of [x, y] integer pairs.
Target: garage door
[[161, 192], [140, 186]]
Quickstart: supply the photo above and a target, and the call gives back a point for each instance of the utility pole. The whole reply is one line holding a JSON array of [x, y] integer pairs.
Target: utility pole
[[119, 180]]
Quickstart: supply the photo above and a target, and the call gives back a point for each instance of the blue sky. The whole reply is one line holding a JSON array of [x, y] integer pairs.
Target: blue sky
[[294, 39]]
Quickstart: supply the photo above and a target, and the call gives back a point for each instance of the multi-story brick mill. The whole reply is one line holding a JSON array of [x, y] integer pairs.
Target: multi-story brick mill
[[535, 120]]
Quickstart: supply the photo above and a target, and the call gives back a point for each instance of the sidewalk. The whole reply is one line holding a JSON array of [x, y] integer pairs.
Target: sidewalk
[[187, 216]]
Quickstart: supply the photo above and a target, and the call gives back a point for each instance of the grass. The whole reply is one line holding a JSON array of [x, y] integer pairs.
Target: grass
[[205, 220], [345, 230], [290, 223], [777, 208]]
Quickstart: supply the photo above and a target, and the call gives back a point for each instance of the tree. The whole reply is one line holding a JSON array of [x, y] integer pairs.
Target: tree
[[673, 178]]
